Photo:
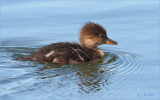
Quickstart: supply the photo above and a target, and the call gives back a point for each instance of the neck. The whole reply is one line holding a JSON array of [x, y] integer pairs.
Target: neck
[[99, 52], [87, 43], [88, 46]]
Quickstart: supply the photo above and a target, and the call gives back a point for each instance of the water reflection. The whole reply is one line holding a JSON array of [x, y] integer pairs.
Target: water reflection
[[89, 77], [85, 78]]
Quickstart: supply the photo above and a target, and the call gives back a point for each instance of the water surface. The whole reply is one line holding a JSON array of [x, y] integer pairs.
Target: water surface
[[130, 71]]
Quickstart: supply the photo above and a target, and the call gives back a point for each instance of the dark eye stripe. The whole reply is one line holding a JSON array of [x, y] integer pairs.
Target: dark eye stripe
[[102, 35]]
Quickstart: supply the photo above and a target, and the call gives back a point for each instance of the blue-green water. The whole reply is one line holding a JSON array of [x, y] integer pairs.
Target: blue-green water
[[131, 70]]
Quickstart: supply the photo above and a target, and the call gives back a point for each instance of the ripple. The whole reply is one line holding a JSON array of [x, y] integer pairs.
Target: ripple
[[131, 72], [117, 68]]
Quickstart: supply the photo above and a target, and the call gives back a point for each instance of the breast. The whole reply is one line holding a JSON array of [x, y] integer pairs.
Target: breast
[[101, 53]]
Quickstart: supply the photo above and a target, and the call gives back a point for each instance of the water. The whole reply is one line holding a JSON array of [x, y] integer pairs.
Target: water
[[130, 71]]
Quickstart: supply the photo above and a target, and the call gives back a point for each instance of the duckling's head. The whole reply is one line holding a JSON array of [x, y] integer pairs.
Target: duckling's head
[[93, 35]]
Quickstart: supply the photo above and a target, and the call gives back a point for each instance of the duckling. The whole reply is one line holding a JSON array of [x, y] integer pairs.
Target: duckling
[[91, 36]]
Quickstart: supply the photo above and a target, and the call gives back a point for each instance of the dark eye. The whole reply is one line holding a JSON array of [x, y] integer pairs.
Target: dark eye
[[102, 35]]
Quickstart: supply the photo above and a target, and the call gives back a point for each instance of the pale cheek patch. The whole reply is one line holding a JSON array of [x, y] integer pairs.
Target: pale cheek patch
[[49, 54], [89, 43], [94, 42]]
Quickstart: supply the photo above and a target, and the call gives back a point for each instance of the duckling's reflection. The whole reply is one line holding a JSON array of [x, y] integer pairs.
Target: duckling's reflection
[[90, 77]]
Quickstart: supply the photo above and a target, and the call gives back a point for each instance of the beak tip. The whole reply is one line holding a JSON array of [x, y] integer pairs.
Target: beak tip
[[116, 43]]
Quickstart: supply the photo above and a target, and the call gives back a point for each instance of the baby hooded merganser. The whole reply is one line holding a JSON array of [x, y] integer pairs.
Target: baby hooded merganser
[[91, 36]]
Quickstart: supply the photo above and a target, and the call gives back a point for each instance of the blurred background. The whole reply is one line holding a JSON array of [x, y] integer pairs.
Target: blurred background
[[130, 71]]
